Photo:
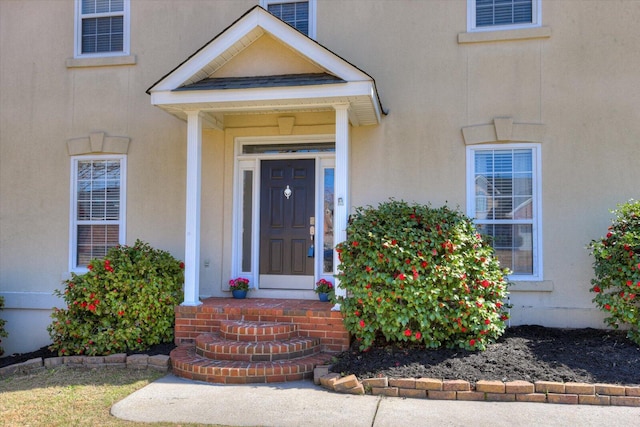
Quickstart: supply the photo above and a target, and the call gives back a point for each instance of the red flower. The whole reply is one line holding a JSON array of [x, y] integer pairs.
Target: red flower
[[418, 335], [498, 304], [357, 313], [607, 307], [596, 288], [121, 313], [362, 323], [368, 269], [479, 304], [472, 342], [487, 321], [182, 265], [355, 243], [368, 286], [394, 242], [90, 267], [407, 333], [485, 283], [92, 307], [401, 276]]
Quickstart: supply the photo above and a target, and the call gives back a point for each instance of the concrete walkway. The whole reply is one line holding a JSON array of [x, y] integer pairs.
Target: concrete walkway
[[173, 399]]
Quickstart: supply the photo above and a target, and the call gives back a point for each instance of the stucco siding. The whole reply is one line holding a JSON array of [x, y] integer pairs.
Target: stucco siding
[[577, 79]]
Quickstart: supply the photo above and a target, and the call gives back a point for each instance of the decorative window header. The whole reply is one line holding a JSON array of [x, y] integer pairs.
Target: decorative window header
[[97, 142], [503, 129]]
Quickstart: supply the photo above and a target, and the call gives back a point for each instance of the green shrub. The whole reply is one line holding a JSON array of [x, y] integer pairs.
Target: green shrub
[[3, 333], [617, 270], [125, 302], [417, 274]]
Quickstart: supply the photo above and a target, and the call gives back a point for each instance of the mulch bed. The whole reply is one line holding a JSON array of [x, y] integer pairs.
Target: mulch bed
[[529, 353], [45, 353]]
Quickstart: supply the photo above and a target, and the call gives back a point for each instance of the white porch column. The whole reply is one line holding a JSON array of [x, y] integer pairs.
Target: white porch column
[[341, 187], [192, 228]]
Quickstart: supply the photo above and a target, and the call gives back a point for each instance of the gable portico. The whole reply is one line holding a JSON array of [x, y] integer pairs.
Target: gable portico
[[260, 65]]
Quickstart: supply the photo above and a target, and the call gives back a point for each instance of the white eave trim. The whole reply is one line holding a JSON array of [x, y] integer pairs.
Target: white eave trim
[[294, 97], [262, 94]]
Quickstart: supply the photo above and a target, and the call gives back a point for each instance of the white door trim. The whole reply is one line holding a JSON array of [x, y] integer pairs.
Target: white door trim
[[251, 162]]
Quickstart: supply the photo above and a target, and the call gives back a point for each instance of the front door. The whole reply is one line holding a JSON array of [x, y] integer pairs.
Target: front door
[[287, 204]]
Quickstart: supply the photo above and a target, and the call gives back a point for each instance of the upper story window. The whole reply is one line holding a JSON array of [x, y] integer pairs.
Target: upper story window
[[299, 14], [503, 198], [487, 15], [102, 28], [97, 207]]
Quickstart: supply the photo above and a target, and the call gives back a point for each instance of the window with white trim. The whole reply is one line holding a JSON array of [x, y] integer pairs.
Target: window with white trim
[[97, 207], [301, 15], [484, 15], [102, 28], [503, 198]]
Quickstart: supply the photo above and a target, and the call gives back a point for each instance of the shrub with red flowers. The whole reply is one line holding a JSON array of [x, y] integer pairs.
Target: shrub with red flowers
[[3, 333], [124, 302], [617, 270], [323, 286], [419, 274]]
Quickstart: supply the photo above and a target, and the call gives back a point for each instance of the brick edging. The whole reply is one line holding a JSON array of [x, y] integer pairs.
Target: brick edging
[[493, 391], [160, 362]]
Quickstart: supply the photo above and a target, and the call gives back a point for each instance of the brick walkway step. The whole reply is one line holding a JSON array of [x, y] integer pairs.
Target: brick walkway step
[[216, 347], [239, 330], [188, 364]]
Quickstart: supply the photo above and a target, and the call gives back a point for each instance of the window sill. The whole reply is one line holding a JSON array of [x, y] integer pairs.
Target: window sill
[[504, 35], [531, 286], [101, 61]]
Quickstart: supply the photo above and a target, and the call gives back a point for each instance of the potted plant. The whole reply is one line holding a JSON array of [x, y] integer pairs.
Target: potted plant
[[323, 289], [239, 287]]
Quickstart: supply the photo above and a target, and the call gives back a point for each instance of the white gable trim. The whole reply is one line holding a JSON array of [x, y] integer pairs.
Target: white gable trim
[[245, 31]]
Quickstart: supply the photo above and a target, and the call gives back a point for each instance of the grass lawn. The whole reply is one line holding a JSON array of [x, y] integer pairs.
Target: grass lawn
[[70, 397]]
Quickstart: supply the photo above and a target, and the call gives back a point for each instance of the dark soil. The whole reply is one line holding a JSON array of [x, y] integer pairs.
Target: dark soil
[[44, 353], [529, 353]]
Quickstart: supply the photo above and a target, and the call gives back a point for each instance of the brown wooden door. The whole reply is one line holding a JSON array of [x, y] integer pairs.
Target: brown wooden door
[[285, 223]]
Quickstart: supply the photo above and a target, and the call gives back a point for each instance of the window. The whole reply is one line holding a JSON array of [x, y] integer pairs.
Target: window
[[503, 197], [486, 15], [298, 14], [102, 27], [97, 207]]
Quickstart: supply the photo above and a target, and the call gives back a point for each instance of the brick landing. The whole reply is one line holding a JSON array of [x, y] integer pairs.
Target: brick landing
[[313, 318], [254, 340]]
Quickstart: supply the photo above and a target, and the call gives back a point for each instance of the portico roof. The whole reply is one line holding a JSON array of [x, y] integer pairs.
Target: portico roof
[[309, 78]]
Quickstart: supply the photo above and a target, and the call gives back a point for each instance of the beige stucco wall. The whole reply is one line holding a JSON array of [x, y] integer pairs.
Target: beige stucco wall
[[580, 83]]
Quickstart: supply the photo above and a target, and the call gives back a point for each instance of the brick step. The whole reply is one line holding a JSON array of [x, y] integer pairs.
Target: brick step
[[188, 364], [251, 331], [216, 347]]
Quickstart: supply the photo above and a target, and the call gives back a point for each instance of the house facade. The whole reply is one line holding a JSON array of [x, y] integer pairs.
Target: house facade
[[240, 134]]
